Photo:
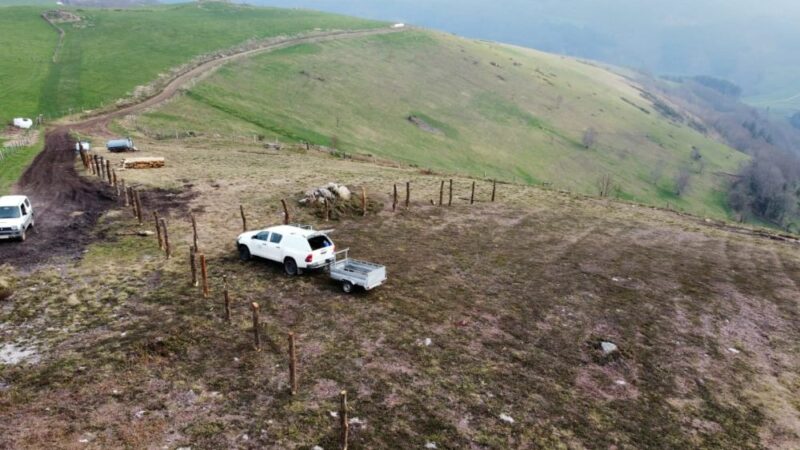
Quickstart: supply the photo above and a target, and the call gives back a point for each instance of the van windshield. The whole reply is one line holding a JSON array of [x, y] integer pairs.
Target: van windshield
[[318, 242], [9, 212]]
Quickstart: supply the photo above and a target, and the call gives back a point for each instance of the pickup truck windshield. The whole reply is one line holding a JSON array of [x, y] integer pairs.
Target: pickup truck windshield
[[9, 212], [318, 242]]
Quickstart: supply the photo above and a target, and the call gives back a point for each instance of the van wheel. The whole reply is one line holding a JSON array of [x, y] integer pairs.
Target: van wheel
[[244, 253], [23, 236], [347, 287]]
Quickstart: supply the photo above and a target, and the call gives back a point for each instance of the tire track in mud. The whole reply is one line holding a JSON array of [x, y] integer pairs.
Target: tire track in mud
[[68, 206]]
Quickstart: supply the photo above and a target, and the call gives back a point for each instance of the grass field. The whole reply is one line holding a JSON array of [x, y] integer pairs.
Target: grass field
[[26, 47], [108, 53], [498, 111], [12, 166], [131, 356]]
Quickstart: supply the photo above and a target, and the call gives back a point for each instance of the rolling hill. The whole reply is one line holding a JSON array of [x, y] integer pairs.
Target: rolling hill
[[107, 53], [456, 105]]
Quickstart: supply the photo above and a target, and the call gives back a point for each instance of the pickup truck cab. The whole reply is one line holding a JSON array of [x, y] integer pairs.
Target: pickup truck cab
[[296, 247], [16, 217]]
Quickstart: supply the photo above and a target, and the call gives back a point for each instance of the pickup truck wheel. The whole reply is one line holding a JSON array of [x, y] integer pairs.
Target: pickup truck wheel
[[244, 253], [23, 236], [347, 287], [290, 266]]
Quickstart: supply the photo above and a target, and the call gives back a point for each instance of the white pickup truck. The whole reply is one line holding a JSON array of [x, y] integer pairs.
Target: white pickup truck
[[16, 217], [296, 247]]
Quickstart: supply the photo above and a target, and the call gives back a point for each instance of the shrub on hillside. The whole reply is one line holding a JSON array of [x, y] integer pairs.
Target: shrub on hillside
[[768, 188]]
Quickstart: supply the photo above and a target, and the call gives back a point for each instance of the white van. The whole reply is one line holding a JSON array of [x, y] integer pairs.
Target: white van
[[16, 217]]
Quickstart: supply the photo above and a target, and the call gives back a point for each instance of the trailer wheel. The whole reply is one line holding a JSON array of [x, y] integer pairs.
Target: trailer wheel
[[347, 287], [244, 253], [290, 266]]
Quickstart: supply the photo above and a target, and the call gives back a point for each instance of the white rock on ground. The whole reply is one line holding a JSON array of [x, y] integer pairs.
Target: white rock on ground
[[431, 445], [506, 418], [608, 347]]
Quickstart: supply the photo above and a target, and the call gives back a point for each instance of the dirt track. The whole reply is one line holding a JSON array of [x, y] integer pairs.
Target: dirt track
[[67, 205]]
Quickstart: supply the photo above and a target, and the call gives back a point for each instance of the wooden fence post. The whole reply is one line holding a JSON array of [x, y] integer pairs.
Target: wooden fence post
[[114, 177], [158, 231], [139, 207], [167, 250], [292, 365], [450, 201], [494, 188], [408, 193], [286, 217], [244, 218], [363, 201], [343, 421], [125, 193], [227, 296], [193, 265], [108, 172], [472, 196], [441, 194], [194, 232], [394, 202], [133, 200], [256, 331], [204, 274]]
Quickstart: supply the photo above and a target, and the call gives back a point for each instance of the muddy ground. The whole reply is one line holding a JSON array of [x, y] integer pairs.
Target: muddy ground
[[66, 206], [492, 311]]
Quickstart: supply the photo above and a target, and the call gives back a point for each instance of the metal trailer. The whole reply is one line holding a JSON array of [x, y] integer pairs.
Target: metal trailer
[[352, 272]]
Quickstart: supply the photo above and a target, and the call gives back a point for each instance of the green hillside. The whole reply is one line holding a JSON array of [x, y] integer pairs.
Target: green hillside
[[26, 48], [483, 109], [108, 53]]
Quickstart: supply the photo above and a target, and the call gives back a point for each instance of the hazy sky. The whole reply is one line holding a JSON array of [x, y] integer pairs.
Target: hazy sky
[[754, 43]]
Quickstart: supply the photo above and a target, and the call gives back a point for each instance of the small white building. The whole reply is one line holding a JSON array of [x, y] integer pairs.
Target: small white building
[[399, 25]]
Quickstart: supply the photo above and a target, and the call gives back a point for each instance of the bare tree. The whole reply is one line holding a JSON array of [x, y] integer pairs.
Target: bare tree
[[604, 185], [682, 181], [589, 137], [657, 172]]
